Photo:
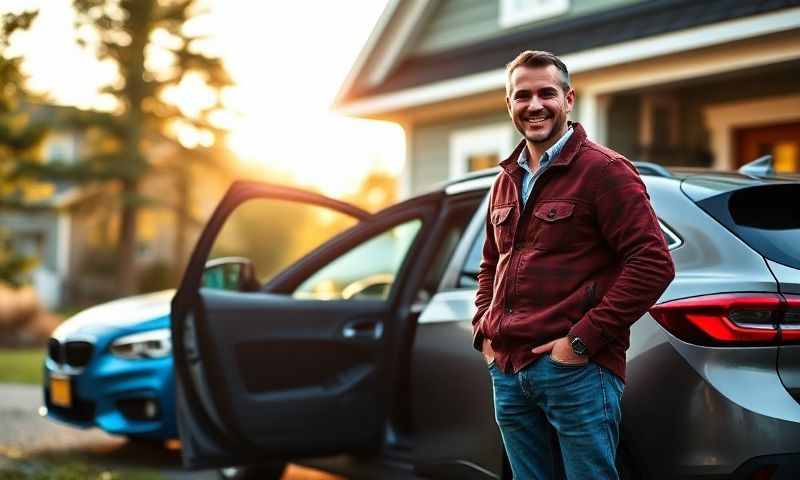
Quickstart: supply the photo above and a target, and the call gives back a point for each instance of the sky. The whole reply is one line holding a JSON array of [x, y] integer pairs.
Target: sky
[[288, 59]]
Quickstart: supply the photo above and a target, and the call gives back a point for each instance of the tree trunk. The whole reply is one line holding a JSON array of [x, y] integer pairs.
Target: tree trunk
[[126, 246], [134, 92]]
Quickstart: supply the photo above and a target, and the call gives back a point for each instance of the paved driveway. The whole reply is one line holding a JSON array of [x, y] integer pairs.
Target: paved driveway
[[23, 432]]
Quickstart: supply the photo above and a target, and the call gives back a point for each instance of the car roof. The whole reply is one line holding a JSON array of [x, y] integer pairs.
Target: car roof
[[714, 181]]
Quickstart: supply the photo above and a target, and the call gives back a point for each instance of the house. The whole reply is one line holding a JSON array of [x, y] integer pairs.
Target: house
[[700, 84], [44, 233]]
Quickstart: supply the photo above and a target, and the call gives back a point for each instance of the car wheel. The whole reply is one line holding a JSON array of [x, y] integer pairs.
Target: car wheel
[[272, 471]]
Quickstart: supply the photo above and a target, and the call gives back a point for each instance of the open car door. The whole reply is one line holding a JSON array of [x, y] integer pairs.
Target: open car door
[[297, 367]]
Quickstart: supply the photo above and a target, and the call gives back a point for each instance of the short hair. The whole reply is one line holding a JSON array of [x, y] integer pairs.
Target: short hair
[[537, 58]]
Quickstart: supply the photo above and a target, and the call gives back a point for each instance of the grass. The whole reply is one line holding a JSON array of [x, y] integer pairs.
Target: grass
[[22, 365], [128, 462], [69, 468]]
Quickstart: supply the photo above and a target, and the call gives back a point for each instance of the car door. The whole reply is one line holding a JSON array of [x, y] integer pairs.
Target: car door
[[303, 366]]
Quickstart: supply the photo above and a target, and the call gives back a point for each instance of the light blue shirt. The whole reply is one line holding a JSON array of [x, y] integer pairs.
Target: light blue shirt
[[529, 177]]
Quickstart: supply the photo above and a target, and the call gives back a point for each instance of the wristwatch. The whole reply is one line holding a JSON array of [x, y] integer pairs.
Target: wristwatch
[[578, 346]]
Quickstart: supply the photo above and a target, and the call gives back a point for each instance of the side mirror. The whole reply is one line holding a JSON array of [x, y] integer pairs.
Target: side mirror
[[230, 273]]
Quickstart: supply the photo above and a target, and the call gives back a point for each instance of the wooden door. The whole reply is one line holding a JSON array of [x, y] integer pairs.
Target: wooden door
[[781, 141]]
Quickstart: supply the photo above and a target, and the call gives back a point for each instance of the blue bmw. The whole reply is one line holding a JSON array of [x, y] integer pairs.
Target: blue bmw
[[110, 366]]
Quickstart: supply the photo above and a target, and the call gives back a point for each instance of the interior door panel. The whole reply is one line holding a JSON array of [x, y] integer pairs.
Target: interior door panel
[[282, 361]]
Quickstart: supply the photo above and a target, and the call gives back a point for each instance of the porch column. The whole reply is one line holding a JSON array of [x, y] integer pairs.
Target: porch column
[[592, 113], [405, 180]]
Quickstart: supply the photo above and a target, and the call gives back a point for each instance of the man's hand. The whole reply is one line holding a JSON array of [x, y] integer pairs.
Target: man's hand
[[486, 349], [561, 351]]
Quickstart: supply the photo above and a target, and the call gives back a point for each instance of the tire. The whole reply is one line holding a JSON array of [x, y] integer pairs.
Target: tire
[[273, 471]]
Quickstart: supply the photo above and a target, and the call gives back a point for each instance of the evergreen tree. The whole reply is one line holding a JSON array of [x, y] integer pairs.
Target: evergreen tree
[[154, 51], [20, 136]]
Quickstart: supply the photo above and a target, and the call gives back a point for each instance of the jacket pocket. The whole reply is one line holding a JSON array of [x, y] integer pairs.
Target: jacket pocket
[[555, 225], [502, 221]]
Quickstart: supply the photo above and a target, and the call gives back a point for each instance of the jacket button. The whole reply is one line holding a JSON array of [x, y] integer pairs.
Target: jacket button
[[551, 213]]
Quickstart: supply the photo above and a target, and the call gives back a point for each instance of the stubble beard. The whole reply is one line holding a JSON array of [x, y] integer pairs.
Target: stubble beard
[[541, 138]]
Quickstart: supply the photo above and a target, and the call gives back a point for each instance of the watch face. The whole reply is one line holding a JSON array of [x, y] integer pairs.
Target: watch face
[[578, 346]]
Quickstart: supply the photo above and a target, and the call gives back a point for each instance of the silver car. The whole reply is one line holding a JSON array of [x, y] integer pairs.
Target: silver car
[[357, 358]]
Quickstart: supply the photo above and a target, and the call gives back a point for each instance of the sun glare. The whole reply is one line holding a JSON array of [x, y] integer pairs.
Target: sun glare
[[334, 157], [287, 60]]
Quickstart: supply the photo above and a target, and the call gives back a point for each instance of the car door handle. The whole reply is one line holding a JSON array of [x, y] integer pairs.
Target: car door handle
[[372, 329]]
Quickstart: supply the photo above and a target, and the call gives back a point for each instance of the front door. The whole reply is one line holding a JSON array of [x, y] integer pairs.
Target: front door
[[781, 141]]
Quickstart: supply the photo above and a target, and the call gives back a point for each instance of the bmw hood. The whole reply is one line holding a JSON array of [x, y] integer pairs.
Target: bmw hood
[[124, 313]]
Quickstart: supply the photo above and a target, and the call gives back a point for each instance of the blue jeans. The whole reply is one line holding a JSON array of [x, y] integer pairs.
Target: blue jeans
[[559, 421]]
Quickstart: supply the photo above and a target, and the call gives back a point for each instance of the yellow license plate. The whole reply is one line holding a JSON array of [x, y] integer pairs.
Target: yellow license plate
[[60, 392]]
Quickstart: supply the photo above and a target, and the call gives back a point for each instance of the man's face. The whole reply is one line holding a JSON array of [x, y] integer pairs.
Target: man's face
[[537, 103]]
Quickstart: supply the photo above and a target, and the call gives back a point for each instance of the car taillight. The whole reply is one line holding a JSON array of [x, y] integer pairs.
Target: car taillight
[[790, 324], [732, 319]]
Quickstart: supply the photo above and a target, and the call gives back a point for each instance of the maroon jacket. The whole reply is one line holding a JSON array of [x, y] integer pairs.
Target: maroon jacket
[[585, 257]]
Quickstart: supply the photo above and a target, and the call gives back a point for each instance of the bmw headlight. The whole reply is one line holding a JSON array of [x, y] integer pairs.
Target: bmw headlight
[[152, 344]]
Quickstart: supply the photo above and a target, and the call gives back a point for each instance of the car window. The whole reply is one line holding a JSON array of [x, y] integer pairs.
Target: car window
[[672, 238], [365, 272], [273, 233], [469, 273]]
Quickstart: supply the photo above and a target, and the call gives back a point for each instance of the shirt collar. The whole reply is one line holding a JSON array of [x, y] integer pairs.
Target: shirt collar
[[548, 155]]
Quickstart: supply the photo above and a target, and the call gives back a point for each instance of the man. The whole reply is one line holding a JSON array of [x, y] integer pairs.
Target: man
[[573, 256]]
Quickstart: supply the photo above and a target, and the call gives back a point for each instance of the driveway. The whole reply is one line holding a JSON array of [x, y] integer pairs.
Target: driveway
[[24, 433]]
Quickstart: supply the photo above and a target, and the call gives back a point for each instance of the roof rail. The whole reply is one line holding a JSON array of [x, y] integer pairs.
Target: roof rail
[[759, 168], [650, 168]]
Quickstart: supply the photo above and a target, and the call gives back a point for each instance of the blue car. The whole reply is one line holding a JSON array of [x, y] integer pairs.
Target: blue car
[[110, 366]]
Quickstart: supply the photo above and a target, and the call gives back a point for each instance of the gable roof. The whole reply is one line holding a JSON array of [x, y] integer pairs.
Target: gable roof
[[399, 23], [484, 61]]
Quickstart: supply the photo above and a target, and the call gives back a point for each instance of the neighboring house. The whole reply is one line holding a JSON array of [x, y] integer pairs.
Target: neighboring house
[[706, 84], [72, 229], [45, 233]]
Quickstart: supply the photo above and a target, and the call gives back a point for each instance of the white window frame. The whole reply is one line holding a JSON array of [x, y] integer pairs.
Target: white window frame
[[517, 12], [61, 147], [464, 143]]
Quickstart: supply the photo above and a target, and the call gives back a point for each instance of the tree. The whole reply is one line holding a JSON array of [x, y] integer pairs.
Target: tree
[[124, 32], [13, 265], [154, 52], [377, 190], [20, 136]]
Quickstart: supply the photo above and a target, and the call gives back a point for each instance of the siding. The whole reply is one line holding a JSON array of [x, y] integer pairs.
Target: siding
[[461, 22], [458, 22], [430, 162]]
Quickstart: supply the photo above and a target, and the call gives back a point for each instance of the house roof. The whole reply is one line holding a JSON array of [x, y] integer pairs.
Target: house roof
[[609, 28]]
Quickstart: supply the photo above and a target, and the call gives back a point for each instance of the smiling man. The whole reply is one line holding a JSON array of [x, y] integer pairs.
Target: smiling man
[[573, 256]]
